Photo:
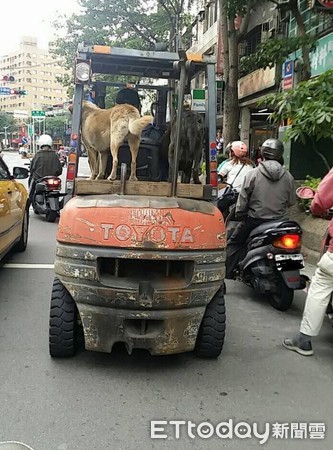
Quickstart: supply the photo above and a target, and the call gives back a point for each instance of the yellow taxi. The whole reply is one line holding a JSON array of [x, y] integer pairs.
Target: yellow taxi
[[14, 210]]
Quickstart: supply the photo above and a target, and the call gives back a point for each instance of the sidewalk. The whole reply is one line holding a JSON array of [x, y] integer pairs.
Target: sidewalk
[[314, 229]]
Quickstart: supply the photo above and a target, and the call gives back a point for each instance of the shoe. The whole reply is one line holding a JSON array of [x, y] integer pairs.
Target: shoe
[[303, 348]]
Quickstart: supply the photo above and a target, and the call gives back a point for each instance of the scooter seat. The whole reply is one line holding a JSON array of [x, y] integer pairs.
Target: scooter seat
[[273, 224]]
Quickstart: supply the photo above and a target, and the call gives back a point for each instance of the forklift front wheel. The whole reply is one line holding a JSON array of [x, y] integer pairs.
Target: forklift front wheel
[[211, 334], [63, 331]]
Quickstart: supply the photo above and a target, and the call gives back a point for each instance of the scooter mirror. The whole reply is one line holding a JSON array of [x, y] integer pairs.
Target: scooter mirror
[[305, 193]]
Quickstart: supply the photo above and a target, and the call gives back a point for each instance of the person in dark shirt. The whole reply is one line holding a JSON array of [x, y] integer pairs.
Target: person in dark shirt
[[44, 163]]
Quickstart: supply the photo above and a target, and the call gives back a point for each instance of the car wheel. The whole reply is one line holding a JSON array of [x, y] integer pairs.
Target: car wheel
[[51, 216], [22, 243], [211, 334], [63, 330]]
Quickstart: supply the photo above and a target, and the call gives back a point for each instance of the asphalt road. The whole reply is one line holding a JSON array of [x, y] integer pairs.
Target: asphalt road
[[100, 401]]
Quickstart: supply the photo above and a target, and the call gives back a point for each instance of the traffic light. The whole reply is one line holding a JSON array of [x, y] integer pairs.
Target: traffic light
[[8, 78], [18, 92]]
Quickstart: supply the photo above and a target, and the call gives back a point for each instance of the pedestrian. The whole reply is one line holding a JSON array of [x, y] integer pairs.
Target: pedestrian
[[321, 287]]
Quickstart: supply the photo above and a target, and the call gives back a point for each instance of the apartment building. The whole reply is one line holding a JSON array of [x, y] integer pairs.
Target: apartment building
[[36, 71]]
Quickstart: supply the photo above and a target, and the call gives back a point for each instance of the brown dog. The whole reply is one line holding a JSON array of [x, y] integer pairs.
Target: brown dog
[[106, 129]]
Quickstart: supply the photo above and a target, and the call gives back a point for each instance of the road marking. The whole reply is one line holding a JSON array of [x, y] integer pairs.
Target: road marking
[[27, 266]]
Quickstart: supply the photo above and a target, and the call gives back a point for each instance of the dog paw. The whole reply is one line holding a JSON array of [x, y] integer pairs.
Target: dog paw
[[112, 178], [133, 178]]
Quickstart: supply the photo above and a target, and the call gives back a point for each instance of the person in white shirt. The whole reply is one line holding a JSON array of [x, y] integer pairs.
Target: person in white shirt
[[233, 173]]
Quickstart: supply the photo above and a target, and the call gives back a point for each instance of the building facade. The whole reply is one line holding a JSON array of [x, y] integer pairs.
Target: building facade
[[36, 71]]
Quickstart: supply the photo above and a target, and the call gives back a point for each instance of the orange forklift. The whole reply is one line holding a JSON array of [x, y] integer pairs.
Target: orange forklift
[[140, 262]]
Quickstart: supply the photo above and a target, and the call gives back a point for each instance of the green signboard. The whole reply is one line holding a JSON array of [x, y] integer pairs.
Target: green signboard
[[322, 57], [37, 113]]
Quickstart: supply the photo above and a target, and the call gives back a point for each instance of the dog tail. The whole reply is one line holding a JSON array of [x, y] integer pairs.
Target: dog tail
[[137, 125]]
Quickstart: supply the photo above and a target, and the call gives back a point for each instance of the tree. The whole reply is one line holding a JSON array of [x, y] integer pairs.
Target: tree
[[232, 36], [292, 6], [56, 126], [309, 106], [7, 120], [131, 23]]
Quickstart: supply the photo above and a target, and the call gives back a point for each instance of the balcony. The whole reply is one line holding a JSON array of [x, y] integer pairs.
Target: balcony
[[206, 40]]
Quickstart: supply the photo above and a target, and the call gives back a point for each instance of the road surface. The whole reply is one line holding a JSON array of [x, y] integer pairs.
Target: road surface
[[100, 401]]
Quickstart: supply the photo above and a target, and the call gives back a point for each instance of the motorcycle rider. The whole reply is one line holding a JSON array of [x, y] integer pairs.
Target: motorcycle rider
[[234, 170], [267, 192], [44, 163], [321, 286]]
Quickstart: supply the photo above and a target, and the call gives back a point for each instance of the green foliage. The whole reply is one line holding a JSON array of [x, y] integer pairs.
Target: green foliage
[[55, 126], [309, 106], [131, 23], [7, 120], [313, 183], [275, 51]]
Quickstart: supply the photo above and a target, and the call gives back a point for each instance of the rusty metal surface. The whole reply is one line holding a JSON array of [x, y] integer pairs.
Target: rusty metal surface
[[142, 222], [131, 201], [163, 318], [164, 332]]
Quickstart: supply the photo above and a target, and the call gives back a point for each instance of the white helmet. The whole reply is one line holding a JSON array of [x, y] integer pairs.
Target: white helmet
[[45, 139]]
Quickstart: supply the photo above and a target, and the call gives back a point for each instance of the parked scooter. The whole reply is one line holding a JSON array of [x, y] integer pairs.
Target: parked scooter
[[273, 260], [47, 199]]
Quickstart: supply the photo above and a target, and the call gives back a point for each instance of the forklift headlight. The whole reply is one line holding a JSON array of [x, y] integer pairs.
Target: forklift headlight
[[82, 71]]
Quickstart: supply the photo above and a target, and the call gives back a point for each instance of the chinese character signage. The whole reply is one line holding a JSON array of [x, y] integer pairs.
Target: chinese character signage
[[322, 58]]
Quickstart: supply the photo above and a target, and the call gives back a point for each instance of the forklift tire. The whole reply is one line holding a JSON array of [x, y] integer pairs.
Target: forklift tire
[[211, 334], [63, 328]]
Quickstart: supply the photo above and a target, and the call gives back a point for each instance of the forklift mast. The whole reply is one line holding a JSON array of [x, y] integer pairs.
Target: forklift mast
[[182, 67]]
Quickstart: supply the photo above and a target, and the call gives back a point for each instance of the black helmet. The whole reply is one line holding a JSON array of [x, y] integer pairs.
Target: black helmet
[[272, 149]]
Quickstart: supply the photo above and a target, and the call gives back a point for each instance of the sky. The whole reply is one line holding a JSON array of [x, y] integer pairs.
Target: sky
[[31, 18]]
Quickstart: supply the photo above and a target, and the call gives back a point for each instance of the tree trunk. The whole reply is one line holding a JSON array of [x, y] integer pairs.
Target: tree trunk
[[230, 72], [321, 156], [302, 32], [231, 106]]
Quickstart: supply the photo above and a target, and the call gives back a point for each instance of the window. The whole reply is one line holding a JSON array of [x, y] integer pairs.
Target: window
[[4, 174]]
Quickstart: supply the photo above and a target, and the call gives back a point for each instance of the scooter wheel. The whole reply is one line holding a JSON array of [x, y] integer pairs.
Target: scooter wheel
[[283, 298], [51, 215]]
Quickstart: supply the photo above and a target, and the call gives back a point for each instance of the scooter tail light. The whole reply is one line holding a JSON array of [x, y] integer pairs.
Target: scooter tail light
[[288, 242], [54, 184]]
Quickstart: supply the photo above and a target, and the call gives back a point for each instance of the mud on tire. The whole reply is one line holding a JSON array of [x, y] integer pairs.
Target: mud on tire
[[63, 330], [211, 334]]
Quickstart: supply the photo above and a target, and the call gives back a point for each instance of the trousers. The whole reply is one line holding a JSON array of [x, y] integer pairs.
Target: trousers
[[319, 295], [236, 248]]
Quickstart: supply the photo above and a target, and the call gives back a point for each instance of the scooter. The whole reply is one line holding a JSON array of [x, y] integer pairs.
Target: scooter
[[273, 260], [47, 198]]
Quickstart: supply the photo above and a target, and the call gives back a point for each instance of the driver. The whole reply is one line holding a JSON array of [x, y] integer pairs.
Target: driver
[[44, 163], [266, 194]]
